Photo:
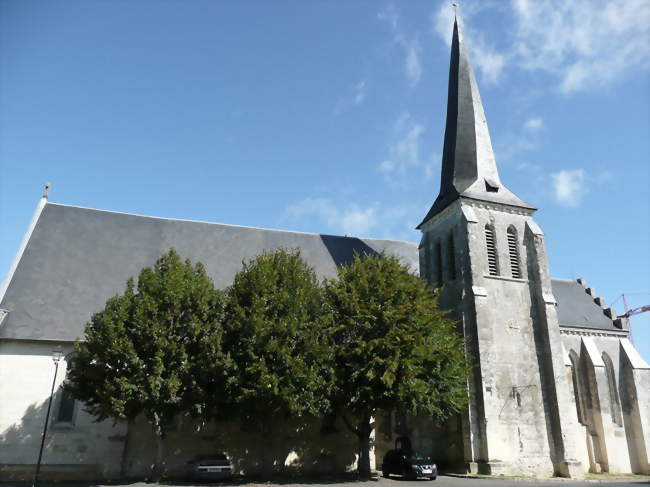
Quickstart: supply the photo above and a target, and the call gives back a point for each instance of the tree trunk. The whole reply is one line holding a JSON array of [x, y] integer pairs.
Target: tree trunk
[[363, 433], [159, 465], [126, 451], [363, 466]]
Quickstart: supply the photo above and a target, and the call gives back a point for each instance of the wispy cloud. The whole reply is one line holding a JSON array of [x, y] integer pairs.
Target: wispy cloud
[[409, 45], [350, 219], [355, 95], [403, 150], [569, 186], [584, 44], [489, 61], [534, 124], [342, 217], [360, 92]]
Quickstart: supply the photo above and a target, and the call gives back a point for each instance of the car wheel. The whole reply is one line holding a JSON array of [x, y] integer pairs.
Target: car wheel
[[433, 478]]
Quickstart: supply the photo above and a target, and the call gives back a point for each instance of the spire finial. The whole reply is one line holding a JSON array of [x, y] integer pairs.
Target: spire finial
[[46, 190]]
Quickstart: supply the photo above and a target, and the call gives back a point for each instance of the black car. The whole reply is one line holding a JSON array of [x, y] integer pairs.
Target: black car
[[409, 464], [213, 467]]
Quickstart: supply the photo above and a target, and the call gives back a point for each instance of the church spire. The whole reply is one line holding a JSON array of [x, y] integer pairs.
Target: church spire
[[469, 169]]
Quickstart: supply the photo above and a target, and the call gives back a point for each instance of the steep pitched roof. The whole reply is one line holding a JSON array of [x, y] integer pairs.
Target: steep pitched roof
[[577, 309], [469, 168], [76, 258]]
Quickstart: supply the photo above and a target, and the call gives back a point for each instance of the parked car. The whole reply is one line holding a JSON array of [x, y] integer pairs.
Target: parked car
[[409, 464], [213, 467]]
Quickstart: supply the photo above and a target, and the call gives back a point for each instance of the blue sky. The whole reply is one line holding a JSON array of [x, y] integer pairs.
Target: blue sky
[[329, 116]]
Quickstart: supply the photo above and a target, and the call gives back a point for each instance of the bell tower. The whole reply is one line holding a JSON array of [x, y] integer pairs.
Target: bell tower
[[482, 248]]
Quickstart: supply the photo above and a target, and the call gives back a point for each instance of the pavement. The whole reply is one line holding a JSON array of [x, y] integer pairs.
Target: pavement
[[442, 481]]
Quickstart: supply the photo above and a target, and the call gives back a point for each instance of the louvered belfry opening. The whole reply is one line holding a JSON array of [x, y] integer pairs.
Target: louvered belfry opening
[[513, 251], [490, 243]]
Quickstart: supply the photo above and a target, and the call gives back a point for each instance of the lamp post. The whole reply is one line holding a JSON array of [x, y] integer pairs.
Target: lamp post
[[56, 357]]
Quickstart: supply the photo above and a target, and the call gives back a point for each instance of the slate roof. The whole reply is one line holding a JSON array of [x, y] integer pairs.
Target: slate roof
[[576, 308], [76, 258]]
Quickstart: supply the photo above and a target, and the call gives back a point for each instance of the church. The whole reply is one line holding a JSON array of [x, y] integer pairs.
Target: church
[[557, 389]]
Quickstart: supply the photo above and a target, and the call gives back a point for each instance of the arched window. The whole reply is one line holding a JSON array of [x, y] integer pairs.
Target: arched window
[[513, 252], [438, 265], [614, 402], [491, 247], [451, 252], [578, 387]]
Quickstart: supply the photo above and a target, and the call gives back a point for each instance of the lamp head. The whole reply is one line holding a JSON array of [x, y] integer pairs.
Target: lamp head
[[57, 354]]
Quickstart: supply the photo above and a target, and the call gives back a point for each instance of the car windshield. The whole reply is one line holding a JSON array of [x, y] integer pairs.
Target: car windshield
[[418, 457]]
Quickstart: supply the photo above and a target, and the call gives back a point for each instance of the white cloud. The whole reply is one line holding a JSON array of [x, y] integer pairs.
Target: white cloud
[[484, 56], [410, 45], [358, 221], [403, 149], [569, 186], [584, 44], [350, 219], [341, 217], [413, 65], [533, 124]]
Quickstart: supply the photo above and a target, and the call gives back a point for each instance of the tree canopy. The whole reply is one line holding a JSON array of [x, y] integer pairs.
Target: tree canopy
[[274, 333], [394, 349], [153, 350]]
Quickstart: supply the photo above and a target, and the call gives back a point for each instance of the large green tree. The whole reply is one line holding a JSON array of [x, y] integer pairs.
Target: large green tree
[[154, 350], [394, 349], [274, 335]]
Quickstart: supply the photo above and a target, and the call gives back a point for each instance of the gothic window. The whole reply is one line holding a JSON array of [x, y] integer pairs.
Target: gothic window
[[65, 412], [614, 403], [491, 247], [513, 252], [438, 264], [452, 257], [578, 388]]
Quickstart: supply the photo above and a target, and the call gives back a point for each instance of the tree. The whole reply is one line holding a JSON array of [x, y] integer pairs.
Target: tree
[[394, 349], [154, 350], [273, 332]]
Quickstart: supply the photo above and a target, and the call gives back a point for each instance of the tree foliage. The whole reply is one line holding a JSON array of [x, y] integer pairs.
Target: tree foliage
[[274, 335], [154, 350], [393, 347]]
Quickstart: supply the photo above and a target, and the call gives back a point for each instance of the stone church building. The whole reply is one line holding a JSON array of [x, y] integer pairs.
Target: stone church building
[[558, 388]]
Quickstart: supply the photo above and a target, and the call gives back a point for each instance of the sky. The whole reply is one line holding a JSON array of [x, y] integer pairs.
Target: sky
[[328, 117]]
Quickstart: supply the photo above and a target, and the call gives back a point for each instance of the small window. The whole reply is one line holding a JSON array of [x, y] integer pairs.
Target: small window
[[513, 252], [490, 243], [438, 270], [65, 413], [451, 251]]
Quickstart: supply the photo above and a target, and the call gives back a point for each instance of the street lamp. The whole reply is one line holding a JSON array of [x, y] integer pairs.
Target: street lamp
[[56, 357]]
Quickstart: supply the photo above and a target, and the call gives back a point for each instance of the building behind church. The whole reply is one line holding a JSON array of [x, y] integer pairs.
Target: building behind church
[[558, 388]]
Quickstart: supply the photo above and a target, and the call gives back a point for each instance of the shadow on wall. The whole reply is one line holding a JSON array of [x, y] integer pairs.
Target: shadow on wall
[[65, 454], [294, 447], [87, 452], [342, 249]]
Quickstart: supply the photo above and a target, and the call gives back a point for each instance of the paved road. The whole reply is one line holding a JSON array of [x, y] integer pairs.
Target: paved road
[[443, 481]]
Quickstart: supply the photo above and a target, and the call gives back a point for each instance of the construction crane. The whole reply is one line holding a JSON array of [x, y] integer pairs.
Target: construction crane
[[635, 311]]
